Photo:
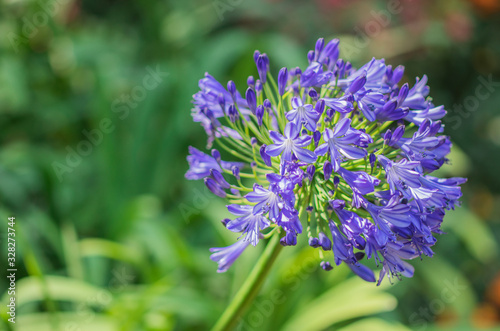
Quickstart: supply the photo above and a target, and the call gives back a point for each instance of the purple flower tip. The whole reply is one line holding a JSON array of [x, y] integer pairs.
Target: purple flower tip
[[231, 87], [314, 242], [251, 81], [216, 155], [251, 99], [313, 94], [325, 265], [282, 80], [337, 204], [214, 187], [236, 172]]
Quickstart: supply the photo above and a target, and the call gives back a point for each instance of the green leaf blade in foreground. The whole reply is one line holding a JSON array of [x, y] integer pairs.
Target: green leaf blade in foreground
[[352, 298]]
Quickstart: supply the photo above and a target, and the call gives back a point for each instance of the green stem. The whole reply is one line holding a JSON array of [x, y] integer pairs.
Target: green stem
[[250, 287]]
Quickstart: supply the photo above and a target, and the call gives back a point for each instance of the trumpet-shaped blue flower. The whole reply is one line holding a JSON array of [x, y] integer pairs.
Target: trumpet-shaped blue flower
[[401, 175], [303, 114], [291, 144], [200, 164], [225, 256], [341, 143], [268, 200], [247, 222]]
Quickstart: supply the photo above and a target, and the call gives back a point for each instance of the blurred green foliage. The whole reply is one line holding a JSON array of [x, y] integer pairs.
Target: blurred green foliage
[[103, 239]]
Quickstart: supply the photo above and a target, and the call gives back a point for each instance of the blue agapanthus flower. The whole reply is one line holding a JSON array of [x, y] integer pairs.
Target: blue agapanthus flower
[[345, 153]]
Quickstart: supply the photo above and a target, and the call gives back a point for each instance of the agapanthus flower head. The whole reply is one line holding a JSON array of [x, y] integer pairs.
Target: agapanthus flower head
[[344, 153]]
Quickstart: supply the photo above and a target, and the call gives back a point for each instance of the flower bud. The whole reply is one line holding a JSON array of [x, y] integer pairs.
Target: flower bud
[[388, 73], [259, 113], [326, 265], [267, 104], [336, 181], [290, 239], [282, 80], [397, 135], [217, 176], [340, 68], [372, 159], [331, 52], [327, 170], [320, 43], [403, 93], [258, 87], [311, 169], [357, 84], [387, 136], [251, 81], [297, 72], [222, 102], [216, 155], [359, 256], [231, 87], [251, 99], [310, 56], [262, 67], [256, 55], [337, 204], [316, 138], [314, 242], [236, 172], [320, 106], [313, 94], [214, 187], [397, 74], [233, 113], [265, 157], [324, 241]]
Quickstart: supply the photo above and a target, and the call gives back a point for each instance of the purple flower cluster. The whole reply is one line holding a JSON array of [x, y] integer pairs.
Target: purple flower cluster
[[344, 153]]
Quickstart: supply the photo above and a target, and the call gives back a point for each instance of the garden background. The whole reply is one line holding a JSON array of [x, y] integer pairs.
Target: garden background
[[94, 130]]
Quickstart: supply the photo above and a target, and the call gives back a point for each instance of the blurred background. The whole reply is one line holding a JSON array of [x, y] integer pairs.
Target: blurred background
[[94, 129]]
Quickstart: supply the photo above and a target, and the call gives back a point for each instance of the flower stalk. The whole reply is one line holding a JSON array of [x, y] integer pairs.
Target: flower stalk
[[250, 288]]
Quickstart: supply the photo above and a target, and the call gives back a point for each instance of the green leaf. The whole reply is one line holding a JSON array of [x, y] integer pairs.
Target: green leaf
[[447, 284], [109, 249], [82, 321], [351, 299], [374, 324], [186, 303], [30, 289], [477, 237]]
